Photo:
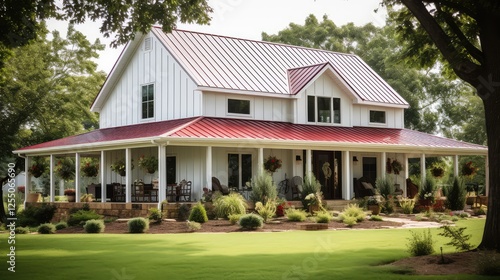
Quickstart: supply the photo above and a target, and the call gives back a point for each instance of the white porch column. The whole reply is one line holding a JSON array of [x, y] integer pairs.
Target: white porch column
[[455, 166], [77, 177], [52, 179], [103, 176], [260, 159], [486, 175], [162, 174], [422, 169], [208, 169], [407, 175], [383, 168], [308, 160], [128, 175], [346, 174]]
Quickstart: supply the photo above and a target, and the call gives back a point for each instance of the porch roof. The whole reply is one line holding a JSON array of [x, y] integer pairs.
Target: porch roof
[[206, 131]]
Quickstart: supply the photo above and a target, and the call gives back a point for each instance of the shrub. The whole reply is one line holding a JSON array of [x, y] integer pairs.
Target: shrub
[[138, 225], [428, 190], [33, 216], [154, 215], [420, 245], [46, 228], [456, 196], [22, 230], [266, 211], [388, 205], [349, 221], [183, 212], [323, 217], [295, 215], [458, 239], [488, 263], [263, 188], [198, 214], [251, 221], [311, 185], [94, 226], [61, 225], [479, 211], [234, 218], [193, 226], [352, 210], [376, 218], [81, 216], [230, 204], [385, 186], [407, 205]]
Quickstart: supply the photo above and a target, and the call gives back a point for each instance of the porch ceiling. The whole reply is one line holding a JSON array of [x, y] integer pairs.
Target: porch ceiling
[[206, 131]]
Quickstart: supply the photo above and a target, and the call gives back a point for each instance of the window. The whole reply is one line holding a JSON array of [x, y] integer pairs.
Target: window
[[148, 44], [238, 106], [377, 116], [326, 109], [148, 101], [171, 170], [239, 170]]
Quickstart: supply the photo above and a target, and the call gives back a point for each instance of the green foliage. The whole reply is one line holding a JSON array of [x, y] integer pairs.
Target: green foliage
[[183, 212], [198, 214], [46, 228], [61, 225], [407, 205], [263, 188], [251, 221], [376, 218], [385, 186], [323, 217], [193, 226], [428, 189], [420, 245], [456, 196], [266, 211], [311, 185], [34, 215], [234, 218], [226, 205], [488, 263], [155, 215], [354, 211], [138, 225], [22, 230], [81, 216], [349, 221], [94, 226], [458, 239], [295, 215]]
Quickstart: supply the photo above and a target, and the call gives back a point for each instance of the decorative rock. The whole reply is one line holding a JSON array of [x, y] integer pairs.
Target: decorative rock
[[313, 226]]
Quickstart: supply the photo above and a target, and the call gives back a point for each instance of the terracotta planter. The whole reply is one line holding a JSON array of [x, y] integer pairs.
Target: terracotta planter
[[313, 208], [71, 198], [374, 208], [33, 197]]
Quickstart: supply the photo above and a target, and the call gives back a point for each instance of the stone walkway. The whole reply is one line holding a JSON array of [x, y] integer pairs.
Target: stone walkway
[[407, 223]]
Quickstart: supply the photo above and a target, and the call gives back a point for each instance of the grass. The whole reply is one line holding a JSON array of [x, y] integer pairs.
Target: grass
[[352, 254]]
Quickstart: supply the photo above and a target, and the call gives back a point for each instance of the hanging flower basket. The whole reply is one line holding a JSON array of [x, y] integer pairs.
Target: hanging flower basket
[[150, 164], [396, 166], [90, 169], [272, 164], [119, 167], [469, 169], [65, 169], [37, 168]]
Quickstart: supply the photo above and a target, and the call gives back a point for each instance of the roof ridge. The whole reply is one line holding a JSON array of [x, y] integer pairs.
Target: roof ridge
[[307, 66]]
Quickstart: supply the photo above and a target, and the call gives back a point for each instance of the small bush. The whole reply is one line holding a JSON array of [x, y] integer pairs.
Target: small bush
[[154, 215], [198, 214], [266, 211], [81, 216], [323, 217], [263, 188], [94, 226], [61, 225], [22, 230], [349, 221], [251, 221], [353, 210], [311, 185], [193, 226], [420, 245], [46, 228], [407, 205], [385, 186], [479, 211], [458, 238], [295, 215], [456, 195], [226, 205], [33, 216], [234, 218], [138, 225], [183, 213], [376, 218], [488, 263]]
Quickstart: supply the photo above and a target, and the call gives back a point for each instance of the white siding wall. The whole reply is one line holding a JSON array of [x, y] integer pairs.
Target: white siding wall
[[394, 116], [175, 94]]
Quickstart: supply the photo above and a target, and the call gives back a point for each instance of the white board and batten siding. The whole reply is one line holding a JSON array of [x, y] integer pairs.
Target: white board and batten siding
[[175, 94], [394, 116]]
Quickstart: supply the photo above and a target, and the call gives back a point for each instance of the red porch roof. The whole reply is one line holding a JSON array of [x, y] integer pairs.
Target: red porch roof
[[236, 131]]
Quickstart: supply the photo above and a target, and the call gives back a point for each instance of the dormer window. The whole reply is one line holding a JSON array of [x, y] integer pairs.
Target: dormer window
[[148, 101], [238, 106], [323, 109], [377, 117]]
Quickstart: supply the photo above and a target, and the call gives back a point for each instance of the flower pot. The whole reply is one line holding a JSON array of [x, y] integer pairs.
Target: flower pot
[[71, 198], [425, 202], [33, 197], [313, 208], [375, 209], [470, 200]]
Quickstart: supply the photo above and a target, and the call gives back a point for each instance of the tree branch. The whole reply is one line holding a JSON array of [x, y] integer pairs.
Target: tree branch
[[454, 5]]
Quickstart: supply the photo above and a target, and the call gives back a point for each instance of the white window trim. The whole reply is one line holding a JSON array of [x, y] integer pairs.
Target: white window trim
[[332, 115], [377, 123], [150, 39], [250, 115], [239, 153], [154, 103]]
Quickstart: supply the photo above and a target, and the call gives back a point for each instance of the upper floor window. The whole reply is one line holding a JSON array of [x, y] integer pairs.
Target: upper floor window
[[377, 116], [238, 106], [148, 44], [323, 109], [148, 101]]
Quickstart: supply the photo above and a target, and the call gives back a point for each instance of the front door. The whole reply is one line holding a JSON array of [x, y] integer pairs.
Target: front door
[[326, 168]]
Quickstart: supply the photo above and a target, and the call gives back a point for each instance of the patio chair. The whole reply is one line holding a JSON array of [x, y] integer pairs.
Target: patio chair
[[296, 182], [185, 190], [216, 186]]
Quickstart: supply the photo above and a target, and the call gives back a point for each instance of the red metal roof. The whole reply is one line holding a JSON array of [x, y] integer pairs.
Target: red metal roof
[[237, 64], [264, 132], [298, 78]]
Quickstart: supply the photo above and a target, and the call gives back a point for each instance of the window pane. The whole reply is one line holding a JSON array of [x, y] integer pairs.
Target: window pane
[[144, 93], [246, 169], [336, 110], [148, 101], [324, 111], [150, 93], [171, 170], [151, 109], [377, 116], [237, 106], [233, 171], [144, 110], [311, 112]]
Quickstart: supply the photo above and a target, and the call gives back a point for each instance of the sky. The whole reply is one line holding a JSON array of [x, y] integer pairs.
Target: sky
[[249, 18]]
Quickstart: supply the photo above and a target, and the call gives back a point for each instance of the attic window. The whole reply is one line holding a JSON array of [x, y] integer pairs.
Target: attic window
[[238, 106], [148, 45], [148, 102], [377, 116]]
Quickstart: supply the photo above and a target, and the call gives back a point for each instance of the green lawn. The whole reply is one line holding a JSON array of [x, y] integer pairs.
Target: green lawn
[[341, 254]]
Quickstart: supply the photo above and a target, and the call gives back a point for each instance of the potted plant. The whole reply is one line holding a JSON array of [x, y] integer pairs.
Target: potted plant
[[119, 167], [150, 164], [38, 167], [373, 204], [396, 166], [70, 194], [272, 164], [65, 168], [314, 202], [469, 169], [90, 168], [437, 170]]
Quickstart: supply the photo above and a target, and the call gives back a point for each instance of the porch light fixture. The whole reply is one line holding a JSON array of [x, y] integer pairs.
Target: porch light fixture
[[298, 158], [355, 159]]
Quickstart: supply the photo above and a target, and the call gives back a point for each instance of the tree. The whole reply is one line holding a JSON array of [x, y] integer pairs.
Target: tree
[[465, 35]]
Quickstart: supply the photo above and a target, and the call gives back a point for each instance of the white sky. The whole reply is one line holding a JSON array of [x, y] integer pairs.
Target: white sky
[[249, 18]]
